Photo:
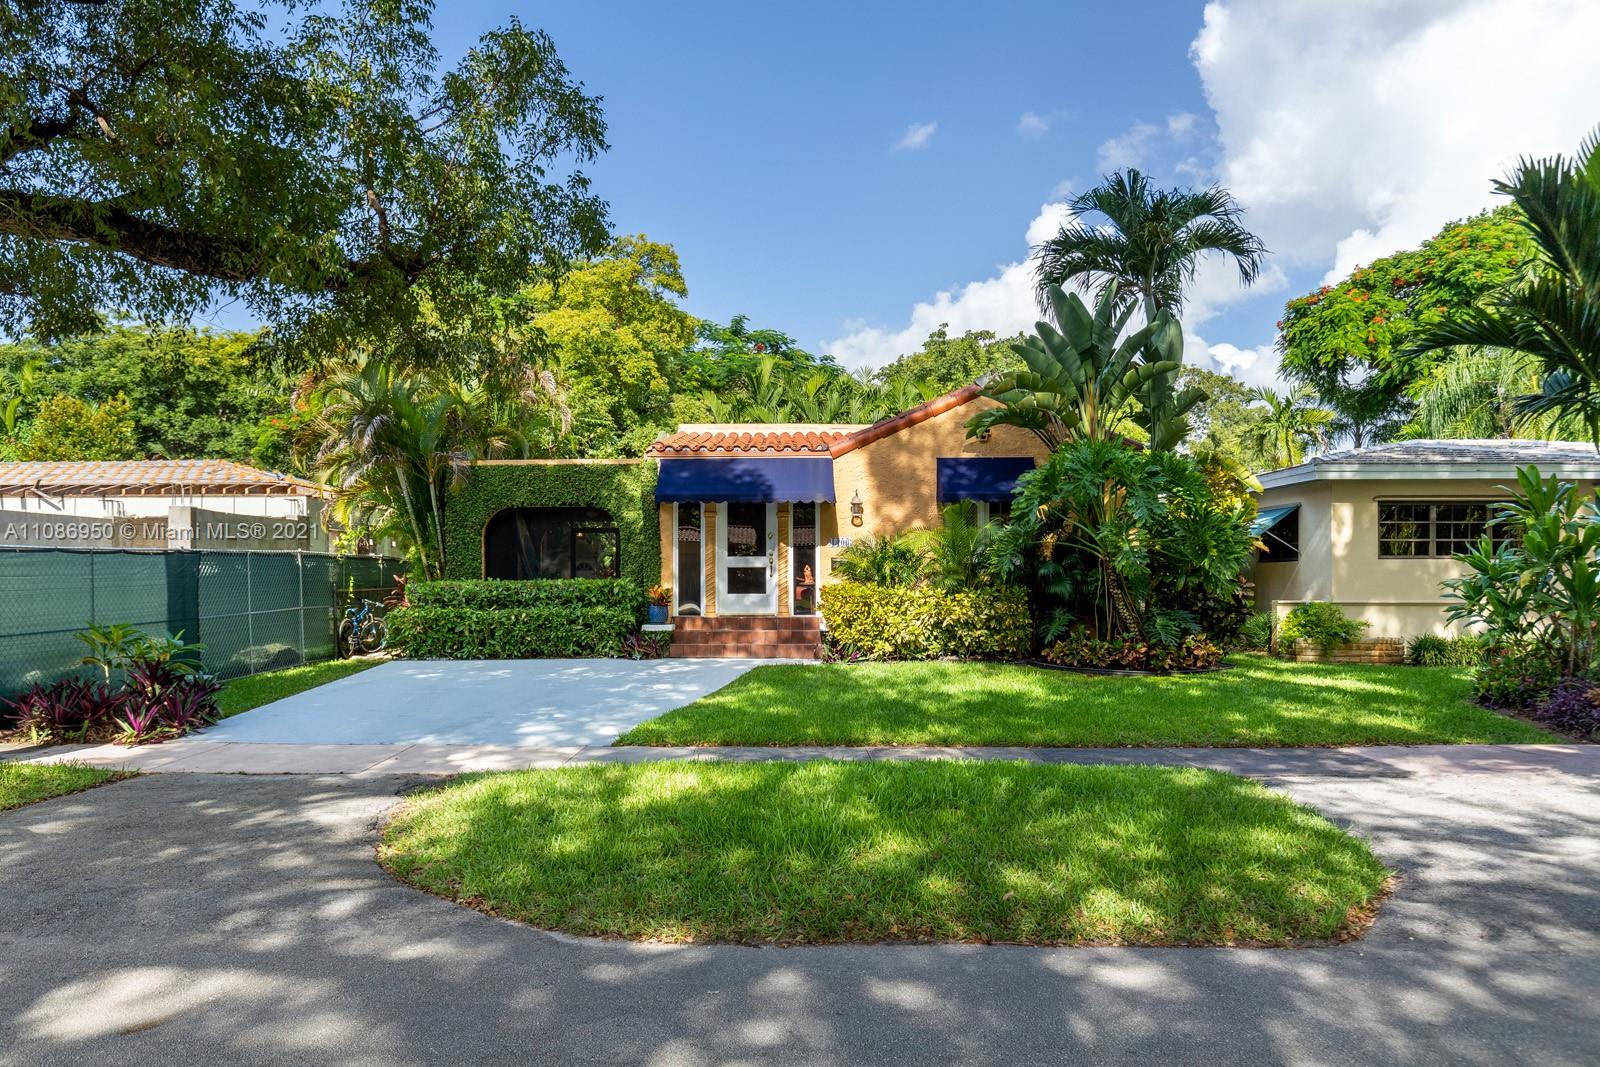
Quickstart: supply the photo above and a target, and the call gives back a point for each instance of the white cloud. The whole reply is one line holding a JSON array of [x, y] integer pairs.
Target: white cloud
[[1129, 150], [1346, 138], [1004, 303], [917, 135], [1181, 127], [1354, 136], [1036, 124]]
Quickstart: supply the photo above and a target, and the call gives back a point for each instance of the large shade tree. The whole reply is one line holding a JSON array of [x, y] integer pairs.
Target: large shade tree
[[313, 162], [1554, 316], [1145, 241]]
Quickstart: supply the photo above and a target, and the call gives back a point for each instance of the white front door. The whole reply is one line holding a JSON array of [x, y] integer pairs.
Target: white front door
[[747, 559]]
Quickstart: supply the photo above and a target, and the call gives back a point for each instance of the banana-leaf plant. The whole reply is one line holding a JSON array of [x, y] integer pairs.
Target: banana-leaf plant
[[1088, 379], [1537, 584]]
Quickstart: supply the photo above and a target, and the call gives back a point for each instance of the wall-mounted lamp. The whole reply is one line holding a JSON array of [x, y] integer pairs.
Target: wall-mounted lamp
[[857, 509]]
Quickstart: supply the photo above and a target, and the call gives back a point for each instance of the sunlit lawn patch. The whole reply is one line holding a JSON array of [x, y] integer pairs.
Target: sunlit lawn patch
[[28, 783], [829, 851], [1259, 702]]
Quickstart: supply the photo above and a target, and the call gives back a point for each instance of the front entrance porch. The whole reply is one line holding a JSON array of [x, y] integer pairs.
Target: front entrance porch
[[743, 576]]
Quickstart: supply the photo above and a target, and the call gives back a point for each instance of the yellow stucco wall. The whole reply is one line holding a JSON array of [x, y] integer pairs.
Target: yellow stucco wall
[[1339, 558], [897, 476]]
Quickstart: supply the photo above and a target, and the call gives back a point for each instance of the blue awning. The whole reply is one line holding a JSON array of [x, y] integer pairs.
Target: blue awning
[[974, 478], [1267, 518], [755, 480]]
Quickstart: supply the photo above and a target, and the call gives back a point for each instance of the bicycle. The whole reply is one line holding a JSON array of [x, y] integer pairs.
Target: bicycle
[[363, 630]]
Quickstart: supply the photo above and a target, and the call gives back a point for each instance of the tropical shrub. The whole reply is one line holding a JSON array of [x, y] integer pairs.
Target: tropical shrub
[[1127, 543], [1256, 633], [899, 622], [72, 709], [895, 560], [1431, 650], [161, 694], [1514, 678], [1081, 649], [1533, 582], [646, 645], [1324, 625], [1573, 707]]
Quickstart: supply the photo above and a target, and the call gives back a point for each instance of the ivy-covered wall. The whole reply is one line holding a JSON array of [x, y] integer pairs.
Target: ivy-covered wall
[[626, 490]]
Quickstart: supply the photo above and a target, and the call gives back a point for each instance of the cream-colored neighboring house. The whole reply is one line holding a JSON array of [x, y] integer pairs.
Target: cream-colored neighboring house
[[1373, 529], [159, 503]]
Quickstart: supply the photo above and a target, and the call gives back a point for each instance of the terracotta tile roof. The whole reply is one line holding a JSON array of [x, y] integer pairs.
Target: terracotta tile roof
[[910, 417], [756, 438], [155, 477], [779, 439]]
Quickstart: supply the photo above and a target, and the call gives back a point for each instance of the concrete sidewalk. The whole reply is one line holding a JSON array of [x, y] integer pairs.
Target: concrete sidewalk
[[1388, 761]]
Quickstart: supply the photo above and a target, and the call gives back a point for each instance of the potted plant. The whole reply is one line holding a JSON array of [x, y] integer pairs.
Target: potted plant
[[660, 599]]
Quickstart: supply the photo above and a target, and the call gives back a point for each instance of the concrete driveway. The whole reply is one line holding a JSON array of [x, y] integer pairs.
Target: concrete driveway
[[512, 703], [192, 918]]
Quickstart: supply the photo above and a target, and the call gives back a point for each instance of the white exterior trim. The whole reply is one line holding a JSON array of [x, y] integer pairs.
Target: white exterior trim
[[1386, 472]]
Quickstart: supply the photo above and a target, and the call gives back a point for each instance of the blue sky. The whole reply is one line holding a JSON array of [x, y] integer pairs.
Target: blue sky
[[761, 140], [856, 174]]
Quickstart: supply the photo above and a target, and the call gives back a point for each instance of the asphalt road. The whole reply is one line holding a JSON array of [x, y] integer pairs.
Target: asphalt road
[[179, 919]]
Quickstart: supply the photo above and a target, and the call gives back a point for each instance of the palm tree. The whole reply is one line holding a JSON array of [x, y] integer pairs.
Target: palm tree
[[1085, 381], [1149, 243], [1365, 414], [1475, 392], [1555, 317], [1290, 423]]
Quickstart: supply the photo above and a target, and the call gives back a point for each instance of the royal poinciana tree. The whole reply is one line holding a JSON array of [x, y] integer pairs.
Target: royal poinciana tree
[[311, 161]]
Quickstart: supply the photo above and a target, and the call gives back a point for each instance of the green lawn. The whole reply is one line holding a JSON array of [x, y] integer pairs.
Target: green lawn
[[28, 783], [829, 851], [242, 694], [1260, 702]]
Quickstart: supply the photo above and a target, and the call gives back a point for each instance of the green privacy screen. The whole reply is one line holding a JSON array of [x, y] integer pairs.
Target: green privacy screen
[[254, 611]]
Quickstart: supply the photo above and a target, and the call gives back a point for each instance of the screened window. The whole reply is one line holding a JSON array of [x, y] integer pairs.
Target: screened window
[[1437, 530], [529, 543]]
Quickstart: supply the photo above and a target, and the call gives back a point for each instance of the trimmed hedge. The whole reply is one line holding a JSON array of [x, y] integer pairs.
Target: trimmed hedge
[[555, 618], [492, 594], [627, 491], [885, 622]]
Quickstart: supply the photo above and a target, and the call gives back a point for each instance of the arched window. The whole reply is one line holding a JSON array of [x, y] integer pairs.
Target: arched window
[[521, 543]]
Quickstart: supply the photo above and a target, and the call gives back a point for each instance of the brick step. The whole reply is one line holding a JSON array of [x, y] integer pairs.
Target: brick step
[[752, 650], [745, 623], [744, 642], [738, 636]]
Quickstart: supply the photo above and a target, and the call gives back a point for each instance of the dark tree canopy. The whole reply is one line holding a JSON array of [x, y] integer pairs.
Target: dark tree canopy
[[309, 160]]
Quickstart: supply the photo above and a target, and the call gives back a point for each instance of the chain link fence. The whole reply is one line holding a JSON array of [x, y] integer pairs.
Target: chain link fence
[[253, 611]]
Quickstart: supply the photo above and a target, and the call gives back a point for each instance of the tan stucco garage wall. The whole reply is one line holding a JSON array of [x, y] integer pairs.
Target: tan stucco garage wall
[[897, 475], [1399, 597]]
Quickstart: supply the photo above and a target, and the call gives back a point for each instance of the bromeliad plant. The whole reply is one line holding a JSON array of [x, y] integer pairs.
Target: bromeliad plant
[[1533, 582], [162, 693]]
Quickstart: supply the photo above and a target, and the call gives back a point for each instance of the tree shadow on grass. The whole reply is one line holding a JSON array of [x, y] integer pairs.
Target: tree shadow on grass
[[825, 851], [195, 918], [1258, 703]]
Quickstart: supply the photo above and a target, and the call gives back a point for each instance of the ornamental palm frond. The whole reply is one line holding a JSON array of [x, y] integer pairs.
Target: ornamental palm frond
[[1290, 423], [1146, 241], [1085, 380], [1554, 316]]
